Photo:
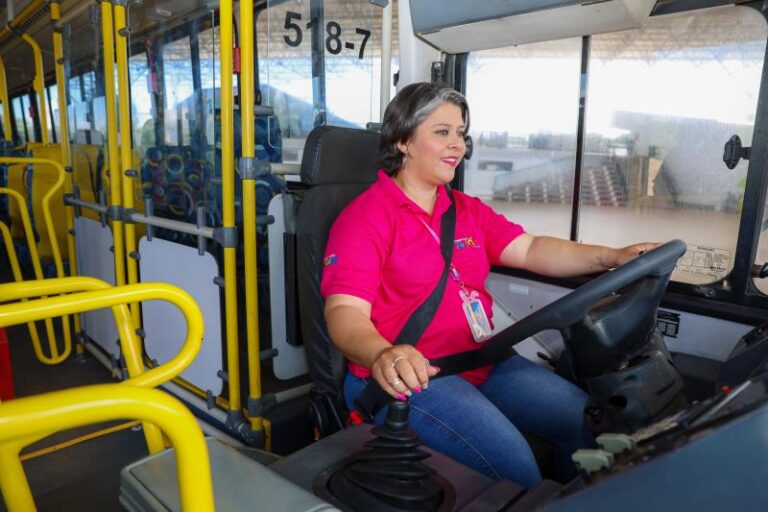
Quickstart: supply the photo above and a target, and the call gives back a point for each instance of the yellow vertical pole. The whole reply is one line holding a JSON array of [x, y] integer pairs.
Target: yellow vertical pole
[[115, 200], [39, 86], [61, 85], [249, 206], [126, 150], [228, 198], [13, 480], [7, 130]]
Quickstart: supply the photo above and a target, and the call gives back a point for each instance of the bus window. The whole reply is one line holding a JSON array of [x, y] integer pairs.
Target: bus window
[[75, 114], [93, 93], [27, 113], [73, 89], [18, 120], [208, 43], [353, 61], [662, 101], [340, 89], [524, 114], [179, 91], [174, 86], [142, 120], [52, 96]]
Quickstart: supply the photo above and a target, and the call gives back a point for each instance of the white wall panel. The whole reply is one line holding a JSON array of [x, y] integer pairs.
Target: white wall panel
[[164, 324], [95, 259]]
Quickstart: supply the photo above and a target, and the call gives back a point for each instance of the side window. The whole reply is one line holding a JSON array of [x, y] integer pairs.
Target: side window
[[210, 69], [77, 110], [142, 121], [94, 107], [87, 113], [340, 88], [524, 106], [86, 106], [171, 73], [662, 102], [179, 91], [52, 96], [27, 113], [18, 119]]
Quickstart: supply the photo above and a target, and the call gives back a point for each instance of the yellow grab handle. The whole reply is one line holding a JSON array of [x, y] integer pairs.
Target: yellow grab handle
[[61, 410], [18, 313]]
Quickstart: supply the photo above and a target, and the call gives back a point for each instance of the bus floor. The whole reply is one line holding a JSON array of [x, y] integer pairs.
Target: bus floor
[[77, 469]]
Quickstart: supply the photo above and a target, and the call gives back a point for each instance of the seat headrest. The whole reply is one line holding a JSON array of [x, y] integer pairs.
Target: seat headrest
[[339, 156]]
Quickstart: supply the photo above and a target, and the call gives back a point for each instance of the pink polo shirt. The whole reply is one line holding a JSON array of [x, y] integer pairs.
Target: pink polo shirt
[[380, 251]]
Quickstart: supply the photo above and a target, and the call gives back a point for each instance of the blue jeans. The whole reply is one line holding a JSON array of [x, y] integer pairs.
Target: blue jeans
[[479, 426]]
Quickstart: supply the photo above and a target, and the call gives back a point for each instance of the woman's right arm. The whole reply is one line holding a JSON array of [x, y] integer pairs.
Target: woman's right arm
[[352, 331]]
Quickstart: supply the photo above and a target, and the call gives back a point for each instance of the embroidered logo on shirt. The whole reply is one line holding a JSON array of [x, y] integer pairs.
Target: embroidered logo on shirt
[[462, 243], [329, 260]]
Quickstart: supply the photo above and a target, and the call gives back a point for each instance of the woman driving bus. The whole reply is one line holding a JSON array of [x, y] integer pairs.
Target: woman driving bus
[[383, 259]]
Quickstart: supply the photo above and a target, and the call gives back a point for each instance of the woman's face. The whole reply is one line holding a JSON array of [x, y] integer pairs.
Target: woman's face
[[436, 148]]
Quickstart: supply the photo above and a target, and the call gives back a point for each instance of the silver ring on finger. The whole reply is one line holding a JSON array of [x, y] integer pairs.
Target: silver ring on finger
[[396, 382], [395, 360]]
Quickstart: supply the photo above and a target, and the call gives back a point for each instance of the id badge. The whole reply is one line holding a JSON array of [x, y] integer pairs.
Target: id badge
[[476, 317]]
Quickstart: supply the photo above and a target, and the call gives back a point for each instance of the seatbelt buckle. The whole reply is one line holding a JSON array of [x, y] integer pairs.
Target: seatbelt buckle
[[355, 418]]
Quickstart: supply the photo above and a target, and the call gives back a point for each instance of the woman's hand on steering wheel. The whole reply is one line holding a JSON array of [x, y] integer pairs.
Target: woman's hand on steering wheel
[[401, 370], [630, 252]]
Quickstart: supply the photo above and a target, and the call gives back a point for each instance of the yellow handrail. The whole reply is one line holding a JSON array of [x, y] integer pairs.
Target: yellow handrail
[[115, 184], [126, 150], [7, 129], [228, 207], [126, 329], [61, 85], [25, 417], [129, 342], [249, 207], [14, 261], [17, 276], [39, 85], [26, 224], [46, 201], [51, 231], [18, 313]]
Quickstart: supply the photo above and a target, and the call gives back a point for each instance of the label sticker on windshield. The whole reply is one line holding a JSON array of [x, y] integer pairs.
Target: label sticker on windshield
[[700, 260]]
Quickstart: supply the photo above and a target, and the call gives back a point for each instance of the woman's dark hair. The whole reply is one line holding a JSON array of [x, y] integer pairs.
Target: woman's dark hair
[[408, 109]]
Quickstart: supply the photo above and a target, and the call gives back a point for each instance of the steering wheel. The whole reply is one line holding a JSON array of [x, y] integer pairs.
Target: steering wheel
[[601, 327]]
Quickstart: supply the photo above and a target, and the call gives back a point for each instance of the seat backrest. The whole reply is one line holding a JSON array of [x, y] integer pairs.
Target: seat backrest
[[338, 164]]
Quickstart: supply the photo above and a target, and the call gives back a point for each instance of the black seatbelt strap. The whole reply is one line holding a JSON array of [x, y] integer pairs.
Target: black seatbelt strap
[[373, 398]]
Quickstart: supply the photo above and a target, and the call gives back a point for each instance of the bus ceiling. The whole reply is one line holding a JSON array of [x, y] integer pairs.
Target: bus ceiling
[[456, 26]]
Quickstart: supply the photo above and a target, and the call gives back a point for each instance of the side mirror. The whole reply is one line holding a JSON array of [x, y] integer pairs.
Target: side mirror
[[470, 147], [734, 151]]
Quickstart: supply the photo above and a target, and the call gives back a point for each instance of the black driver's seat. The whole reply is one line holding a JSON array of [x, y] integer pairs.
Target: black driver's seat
[[338, 164]]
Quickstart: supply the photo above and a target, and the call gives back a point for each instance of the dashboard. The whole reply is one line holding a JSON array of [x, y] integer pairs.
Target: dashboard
[[710, 456]]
